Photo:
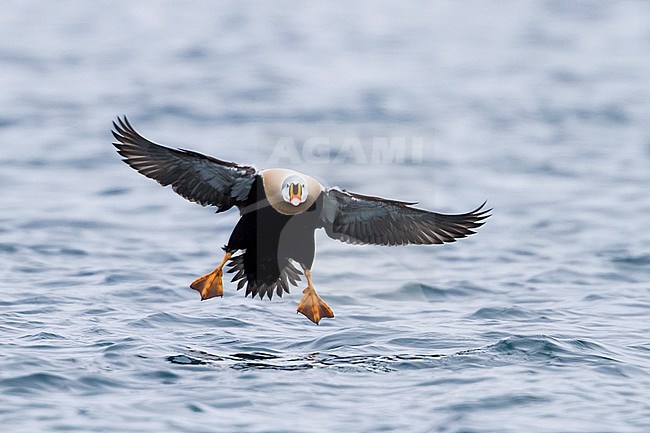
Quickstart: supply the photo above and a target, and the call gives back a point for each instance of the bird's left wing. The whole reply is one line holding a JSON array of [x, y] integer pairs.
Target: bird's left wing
[[361, 219], [199, 178]]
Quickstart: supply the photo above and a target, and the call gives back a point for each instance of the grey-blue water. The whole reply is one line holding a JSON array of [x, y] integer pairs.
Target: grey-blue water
[[538, 323]]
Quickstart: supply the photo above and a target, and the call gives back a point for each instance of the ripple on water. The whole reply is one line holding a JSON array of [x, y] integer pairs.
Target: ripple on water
[[542, 349], [503, 401], [42, 336], [632, 265], [36, 382], [162, 319], [424, 292], [551, 351], [9, 248], [315, 360], [640, 260], [55, 250], [506, 313], [109, 192]]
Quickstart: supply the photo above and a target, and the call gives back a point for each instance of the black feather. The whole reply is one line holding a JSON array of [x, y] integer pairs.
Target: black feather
[[362, 219], [199, 178]]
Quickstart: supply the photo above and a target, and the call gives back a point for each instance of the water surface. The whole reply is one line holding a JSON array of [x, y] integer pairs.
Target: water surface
[[537, 323]]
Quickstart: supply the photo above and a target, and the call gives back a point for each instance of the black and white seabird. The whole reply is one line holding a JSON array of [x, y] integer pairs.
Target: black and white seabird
[[273, 243]]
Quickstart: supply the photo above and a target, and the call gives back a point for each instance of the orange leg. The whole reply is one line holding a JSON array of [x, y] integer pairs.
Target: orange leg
[[311, 305], [211, 285]]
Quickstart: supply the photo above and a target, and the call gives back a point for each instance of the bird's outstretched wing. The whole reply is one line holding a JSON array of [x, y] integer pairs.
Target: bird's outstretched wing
[[360, 219], [199, 178]]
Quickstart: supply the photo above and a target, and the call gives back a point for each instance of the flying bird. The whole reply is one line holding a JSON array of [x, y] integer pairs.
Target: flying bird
[[273, 243]]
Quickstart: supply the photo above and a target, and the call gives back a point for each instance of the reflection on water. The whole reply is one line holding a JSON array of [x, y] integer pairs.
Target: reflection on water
[[257, 360]]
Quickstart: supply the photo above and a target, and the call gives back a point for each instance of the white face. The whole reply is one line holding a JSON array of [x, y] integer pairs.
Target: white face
[[294, 190]]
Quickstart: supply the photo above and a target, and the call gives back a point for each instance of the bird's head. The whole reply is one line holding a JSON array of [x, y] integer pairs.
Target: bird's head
[[294, 190]]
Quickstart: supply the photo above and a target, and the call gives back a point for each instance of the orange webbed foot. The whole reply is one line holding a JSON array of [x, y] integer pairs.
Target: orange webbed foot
[[313, 307], [211, 285]]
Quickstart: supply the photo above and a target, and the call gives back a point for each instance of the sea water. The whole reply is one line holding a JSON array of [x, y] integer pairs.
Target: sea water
[[539, 322]]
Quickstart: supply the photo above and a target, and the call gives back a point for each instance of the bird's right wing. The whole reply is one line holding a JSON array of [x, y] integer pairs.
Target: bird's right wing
[[360, 219], [199, 178]]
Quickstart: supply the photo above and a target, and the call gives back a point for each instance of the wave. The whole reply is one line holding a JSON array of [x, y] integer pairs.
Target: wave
[[515, 349]]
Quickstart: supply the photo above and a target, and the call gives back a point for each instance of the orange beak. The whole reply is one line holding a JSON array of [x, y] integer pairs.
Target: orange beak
[[295, 194]]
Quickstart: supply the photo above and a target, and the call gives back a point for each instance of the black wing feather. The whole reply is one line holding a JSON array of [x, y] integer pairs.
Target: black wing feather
[[361, 219], [199, 178]]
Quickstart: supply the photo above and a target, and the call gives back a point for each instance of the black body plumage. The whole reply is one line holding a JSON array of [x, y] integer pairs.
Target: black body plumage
[[271, 241]]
